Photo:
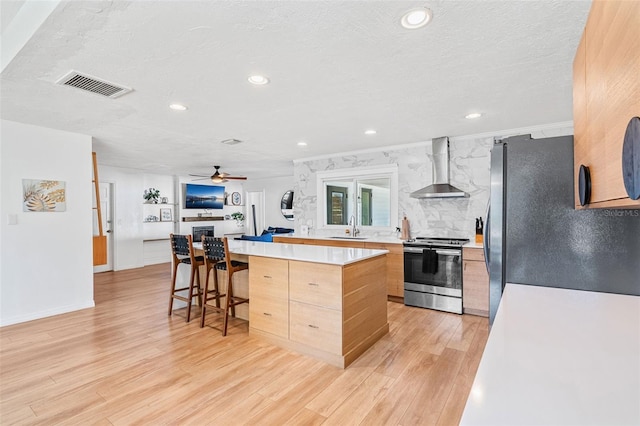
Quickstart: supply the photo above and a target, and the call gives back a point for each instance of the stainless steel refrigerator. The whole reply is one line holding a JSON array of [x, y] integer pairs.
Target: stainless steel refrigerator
[[535, 236]]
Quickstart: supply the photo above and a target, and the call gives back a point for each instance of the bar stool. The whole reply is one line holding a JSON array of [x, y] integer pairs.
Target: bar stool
[[182, 249], [217, 258]]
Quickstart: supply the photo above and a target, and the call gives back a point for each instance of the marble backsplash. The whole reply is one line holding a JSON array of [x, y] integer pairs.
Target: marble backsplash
[[469, 171], [455, 218]]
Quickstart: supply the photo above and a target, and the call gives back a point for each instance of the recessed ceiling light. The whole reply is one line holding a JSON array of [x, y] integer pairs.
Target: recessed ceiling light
[[370, 132], [258, 80], [416, 18], [473, 115], [302, 143], [178, 107]]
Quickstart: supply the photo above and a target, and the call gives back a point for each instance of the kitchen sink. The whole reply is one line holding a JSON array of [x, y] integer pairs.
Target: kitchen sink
[[350, 238]]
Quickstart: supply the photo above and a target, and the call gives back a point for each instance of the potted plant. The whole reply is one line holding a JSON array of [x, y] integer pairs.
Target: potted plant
[[239, 218], [151, 195]]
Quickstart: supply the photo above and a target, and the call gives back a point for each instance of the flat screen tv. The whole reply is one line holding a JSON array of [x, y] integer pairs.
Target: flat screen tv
[[203, 196]]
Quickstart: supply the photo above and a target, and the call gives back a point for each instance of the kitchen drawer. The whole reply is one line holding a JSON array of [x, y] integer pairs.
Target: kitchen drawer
[[269, 277], [473, 253], [270, 315], [317, 284], [315, 326]]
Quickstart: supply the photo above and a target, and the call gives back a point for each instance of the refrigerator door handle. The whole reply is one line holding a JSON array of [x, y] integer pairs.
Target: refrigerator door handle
[[485, 236]]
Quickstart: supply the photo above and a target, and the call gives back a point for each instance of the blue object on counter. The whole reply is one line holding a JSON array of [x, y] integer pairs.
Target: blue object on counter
[[267, 238], [278, 230]]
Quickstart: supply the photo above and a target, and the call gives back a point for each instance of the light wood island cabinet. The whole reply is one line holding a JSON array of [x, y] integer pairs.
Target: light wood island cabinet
[[475, 282], [269, 295], [315, 293], [333, 312], [395, 257], [326, 302]]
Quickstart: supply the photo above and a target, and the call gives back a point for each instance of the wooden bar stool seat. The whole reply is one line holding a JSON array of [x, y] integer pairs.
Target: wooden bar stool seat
[[217, 258], [182, 250]]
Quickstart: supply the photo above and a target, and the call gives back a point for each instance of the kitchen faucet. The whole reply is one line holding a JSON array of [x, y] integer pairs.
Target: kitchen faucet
[[352, 223]]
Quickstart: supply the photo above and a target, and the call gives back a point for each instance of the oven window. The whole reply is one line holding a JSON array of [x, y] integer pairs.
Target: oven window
[[448, 272]]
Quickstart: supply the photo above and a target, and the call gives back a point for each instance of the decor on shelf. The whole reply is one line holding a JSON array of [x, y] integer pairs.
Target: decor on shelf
[[164, 200], [151, 195], [151, 218], [43, 195], [236, 199], [238, 217], [165, 215]]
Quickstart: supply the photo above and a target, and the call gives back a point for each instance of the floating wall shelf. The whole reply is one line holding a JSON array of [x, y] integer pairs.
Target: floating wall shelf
[[202, 218]]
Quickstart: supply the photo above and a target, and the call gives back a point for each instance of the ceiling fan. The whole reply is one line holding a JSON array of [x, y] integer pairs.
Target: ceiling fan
[[218, 177]]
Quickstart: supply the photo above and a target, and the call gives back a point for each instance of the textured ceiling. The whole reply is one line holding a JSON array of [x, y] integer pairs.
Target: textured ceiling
[[337, 68]]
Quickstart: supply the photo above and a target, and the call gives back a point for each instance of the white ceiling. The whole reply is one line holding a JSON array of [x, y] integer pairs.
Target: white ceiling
[[337, 68]]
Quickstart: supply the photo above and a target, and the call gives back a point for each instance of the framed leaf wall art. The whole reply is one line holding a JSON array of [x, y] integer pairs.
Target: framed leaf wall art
[[43, 195]]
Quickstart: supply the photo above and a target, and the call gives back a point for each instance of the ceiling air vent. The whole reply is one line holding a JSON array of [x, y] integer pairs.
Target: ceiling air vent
[[93, 84]]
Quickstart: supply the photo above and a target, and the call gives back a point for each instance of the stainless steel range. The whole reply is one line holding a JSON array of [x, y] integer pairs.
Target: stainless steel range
[[433, 273]]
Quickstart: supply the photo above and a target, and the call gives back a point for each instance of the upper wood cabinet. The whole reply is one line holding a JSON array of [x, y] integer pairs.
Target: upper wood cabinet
[[606, 95]]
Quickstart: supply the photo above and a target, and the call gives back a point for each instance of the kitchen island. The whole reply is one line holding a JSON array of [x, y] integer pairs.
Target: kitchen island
[[395, 257], [327, 302], [558, 356]]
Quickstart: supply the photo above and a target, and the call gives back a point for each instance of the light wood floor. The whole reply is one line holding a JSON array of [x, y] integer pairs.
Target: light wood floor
[[126, 362]]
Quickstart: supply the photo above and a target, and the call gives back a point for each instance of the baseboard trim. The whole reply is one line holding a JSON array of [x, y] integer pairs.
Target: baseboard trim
[[46, 313]]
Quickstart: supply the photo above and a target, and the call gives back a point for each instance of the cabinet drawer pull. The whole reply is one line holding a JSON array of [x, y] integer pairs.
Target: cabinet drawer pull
[[314, 284], [267, 276], [267, 314], [313, 326]]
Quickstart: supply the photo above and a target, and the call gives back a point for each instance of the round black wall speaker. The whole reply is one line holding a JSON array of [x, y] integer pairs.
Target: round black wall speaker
[[631, 159], [584, 185]]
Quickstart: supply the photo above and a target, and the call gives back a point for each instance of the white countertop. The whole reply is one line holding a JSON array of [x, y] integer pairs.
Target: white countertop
[[559, 357], [304, 253], [363, 238], [473, 244]]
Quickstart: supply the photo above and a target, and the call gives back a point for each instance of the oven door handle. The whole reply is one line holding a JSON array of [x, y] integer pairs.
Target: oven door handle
[[412, 250], [438, 251], [449, 252]]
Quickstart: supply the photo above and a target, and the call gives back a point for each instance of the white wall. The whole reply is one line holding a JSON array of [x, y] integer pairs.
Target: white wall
[[46, 258], [274, 189]]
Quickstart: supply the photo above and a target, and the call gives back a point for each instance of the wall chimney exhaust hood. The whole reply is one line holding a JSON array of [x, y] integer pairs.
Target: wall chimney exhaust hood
[[440, 187]]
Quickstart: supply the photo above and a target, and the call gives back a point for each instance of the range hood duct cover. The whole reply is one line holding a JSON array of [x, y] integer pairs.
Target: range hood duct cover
[[440, 187]]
